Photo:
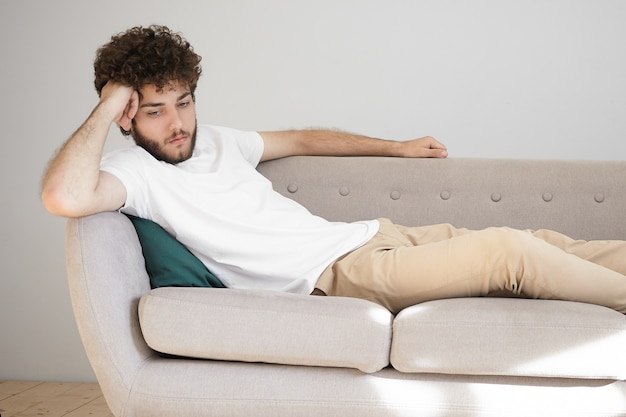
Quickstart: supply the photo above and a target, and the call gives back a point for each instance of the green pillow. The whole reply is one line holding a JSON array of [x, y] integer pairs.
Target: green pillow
[[168, 262]]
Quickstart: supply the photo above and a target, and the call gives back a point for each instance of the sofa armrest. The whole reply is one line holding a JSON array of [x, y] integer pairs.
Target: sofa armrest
[[106, 278]]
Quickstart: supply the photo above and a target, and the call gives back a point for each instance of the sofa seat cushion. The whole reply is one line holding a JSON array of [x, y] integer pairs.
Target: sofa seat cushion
[[264, 326], [510, 337]]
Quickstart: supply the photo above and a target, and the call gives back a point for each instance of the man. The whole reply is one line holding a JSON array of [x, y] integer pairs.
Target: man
[[200, 184]]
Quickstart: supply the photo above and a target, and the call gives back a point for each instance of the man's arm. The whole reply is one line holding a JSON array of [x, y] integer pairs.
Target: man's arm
[[73, 184], [336, 143]]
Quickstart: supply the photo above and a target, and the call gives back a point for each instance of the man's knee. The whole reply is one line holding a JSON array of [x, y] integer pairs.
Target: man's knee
[[510, 241]]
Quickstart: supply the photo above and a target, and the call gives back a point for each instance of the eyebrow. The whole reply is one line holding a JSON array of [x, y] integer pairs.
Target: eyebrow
[[181, 97]]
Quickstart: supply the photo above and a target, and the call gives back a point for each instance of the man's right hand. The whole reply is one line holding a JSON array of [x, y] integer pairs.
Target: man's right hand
[[121, 102]]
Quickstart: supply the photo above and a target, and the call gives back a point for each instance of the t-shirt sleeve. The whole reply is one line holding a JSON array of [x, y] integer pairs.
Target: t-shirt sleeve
[[251, 146], [123, 164]]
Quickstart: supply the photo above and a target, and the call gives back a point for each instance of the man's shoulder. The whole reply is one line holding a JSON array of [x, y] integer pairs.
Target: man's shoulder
[[129, 152], [228, 136], [220, 131], [230, 141]]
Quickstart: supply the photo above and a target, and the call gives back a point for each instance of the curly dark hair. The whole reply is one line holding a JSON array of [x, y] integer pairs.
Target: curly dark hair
[[147, 55]]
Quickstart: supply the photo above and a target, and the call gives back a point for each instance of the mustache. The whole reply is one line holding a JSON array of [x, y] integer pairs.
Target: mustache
[[178, 134]]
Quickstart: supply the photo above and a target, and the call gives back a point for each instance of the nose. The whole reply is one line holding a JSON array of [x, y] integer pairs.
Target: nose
[[175, 121]]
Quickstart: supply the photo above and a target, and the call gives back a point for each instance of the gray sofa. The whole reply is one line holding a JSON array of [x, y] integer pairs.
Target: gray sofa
[[243, 353]]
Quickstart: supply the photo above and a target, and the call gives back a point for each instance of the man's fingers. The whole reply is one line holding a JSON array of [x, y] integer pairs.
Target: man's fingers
[[435, 153]]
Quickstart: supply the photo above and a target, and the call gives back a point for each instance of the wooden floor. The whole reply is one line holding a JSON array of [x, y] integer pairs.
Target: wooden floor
[[51, 399]]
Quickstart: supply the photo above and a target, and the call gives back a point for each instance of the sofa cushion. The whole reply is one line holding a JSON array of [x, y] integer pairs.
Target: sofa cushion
[[168, 262], [267, 326], [515, 337]]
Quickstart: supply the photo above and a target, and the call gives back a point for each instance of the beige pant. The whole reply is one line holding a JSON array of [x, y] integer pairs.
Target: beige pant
[[401, 266]]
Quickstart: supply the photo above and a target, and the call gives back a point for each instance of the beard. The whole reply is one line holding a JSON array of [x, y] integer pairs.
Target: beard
[[158, 149]]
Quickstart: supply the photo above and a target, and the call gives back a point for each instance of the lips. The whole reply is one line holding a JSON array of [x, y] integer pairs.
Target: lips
[[178, 140]]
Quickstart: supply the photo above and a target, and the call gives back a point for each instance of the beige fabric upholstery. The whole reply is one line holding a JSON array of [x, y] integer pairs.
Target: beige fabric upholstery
[[273, 327], [510, 337], [585, 199]]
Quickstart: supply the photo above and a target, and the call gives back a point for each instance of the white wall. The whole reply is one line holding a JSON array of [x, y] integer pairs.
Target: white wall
[[490, 78]]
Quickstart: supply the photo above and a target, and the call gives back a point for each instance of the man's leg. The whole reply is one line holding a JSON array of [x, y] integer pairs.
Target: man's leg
[[399, 268], [608, 253]]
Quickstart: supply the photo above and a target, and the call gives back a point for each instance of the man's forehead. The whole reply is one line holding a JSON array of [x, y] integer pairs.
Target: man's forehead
[[172, 87]]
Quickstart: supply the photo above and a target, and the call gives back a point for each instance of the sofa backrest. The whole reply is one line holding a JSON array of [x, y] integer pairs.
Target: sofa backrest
[[584, 199]]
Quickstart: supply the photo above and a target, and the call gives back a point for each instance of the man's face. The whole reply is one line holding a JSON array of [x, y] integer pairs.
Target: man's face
[[165, 123]]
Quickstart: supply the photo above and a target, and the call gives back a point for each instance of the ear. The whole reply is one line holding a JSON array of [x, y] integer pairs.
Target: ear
[[124, 131]]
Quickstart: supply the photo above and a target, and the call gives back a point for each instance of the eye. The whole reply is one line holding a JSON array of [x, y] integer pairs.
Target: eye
[[184, 103], [154, 113]]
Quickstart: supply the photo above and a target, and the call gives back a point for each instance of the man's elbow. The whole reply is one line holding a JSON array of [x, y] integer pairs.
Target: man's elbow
[[59, 204], [53, 204]]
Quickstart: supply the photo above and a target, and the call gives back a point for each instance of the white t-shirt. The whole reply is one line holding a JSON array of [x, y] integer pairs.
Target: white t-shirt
[[218, 205]]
